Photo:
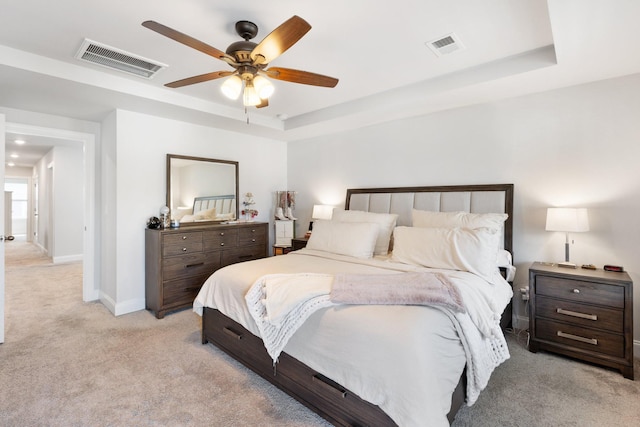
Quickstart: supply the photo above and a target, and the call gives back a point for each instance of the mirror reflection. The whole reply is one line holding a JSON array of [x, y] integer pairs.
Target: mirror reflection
[[201, 190]]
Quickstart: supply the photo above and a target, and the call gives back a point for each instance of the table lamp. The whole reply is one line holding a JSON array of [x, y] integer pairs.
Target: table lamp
[[320, 212], [568, 220]]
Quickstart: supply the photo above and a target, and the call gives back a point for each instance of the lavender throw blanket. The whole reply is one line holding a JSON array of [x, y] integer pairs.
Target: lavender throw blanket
[[387, 289]]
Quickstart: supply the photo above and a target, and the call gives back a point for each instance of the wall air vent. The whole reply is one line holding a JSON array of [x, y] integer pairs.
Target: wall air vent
[[445, 45], [116, 59]]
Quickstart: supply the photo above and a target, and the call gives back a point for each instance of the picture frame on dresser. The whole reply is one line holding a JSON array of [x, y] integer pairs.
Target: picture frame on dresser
[[584, 314]]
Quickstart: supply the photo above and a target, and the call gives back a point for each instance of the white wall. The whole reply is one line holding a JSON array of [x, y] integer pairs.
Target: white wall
[[135, 187], [578, 146], [68, 203]]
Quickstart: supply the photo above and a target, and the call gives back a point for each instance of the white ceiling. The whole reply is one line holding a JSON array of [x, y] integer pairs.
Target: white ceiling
[[377, 50]]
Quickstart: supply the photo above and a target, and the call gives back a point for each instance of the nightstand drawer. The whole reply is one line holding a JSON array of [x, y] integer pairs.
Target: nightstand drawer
[[580, 337], [580, 291], [580, 314]]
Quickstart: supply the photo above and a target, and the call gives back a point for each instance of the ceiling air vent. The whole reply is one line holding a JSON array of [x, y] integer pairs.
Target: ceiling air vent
[[116, 59], [445, 45]]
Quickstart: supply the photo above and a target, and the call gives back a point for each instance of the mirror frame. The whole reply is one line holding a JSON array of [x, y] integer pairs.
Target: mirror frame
[[202, 159]]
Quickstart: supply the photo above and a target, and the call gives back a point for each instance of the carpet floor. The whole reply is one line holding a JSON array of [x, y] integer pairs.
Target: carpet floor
[[70, 363]]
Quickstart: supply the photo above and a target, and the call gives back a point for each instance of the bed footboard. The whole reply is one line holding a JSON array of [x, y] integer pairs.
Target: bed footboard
[[325, 397]]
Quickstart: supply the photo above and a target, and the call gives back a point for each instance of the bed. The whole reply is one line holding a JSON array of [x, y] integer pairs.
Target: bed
[[376, 363], [210, 208]]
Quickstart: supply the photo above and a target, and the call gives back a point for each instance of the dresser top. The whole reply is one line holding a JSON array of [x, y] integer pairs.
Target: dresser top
[[598, 274]]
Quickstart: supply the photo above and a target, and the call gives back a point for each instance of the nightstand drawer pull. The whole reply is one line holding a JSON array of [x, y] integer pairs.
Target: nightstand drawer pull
[[576, 291], [576, 314], [578, 338]]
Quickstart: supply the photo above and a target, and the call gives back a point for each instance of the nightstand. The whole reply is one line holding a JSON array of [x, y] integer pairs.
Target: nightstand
[[281, 250], [584, 314], [299, 243]]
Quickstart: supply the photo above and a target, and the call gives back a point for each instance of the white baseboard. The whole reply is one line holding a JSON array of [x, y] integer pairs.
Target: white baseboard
[[66, 259], [520, 322]]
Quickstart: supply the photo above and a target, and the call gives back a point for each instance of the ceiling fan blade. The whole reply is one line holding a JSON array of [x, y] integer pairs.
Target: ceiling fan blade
[[303, 77], [279, 40], [263, 103], [187, 40], [199, 79]]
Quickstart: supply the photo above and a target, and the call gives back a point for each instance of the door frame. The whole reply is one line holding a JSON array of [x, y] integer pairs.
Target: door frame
[[90, 292]]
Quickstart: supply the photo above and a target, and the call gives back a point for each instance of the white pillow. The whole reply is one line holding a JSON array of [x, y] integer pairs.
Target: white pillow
[[206, 214], [458, 219], [385, 223], [462, 249], [356, 239]]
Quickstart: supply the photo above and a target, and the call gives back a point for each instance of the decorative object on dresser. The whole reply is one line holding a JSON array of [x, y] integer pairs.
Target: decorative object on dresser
[[585, 314], [178, 261], [249, 213], [567, 220]]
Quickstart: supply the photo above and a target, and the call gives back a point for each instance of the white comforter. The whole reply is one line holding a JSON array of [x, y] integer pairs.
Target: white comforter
[[405, 359]]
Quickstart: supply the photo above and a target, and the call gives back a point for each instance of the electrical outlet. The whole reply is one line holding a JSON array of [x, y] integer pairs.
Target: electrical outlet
[[524, 293]]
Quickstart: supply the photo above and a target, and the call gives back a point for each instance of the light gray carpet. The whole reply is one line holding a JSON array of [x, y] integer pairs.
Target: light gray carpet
[[69, 363]]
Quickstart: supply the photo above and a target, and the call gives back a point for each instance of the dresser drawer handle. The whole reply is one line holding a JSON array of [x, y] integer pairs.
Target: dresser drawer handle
[[194, 265], [222, 233], [232, 333], [184, 249], [221, 243], [576, 314], [253, 240], [576, 291], [578, 338], [184, 237], [319, 380]]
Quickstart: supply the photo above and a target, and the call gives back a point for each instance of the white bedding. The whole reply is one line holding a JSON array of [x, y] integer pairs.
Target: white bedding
[[367, 348]]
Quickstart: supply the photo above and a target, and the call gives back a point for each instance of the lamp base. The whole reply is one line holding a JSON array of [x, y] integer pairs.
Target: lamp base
[[567, 265]]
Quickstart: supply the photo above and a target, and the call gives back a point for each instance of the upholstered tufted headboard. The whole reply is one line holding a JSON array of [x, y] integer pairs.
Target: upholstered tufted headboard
[[493, 198]]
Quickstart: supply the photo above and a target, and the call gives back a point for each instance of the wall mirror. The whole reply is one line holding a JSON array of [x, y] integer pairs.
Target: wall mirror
[[201, 190]]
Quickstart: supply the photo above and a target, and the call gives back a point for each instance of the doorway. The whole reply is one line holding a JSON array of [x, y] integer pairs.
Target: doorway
[[17, 208], [86, 141]]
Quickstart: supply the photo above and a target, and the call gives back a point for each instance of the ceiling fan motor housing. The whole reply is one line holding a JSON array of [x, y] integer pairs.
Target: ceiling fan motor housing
[[246, 29]]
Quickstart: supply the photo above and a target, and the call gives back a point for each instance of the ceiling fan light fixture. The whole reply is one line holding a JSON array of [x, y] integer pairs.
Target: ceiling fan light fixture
[[250, 97], [232, 87], [263, 86]]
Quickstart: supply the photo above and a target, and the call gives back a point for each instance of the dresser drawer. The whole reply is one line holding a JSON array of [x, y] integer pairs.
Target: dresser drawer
[[580, 291], [242, 254], [251, 236], [581, 314], [181, 243], [183, 291], [580, 337], [220, 239], [195, 264]]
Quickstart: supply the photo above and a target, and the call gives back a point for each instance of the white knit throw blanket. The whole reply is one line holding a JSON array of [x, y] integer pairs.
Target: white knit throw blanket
[[280, 304]]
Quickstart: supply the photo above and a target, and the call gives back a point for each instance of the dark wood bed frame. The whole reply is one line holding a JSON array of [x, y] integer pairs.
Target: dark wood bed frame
[[327, 398]]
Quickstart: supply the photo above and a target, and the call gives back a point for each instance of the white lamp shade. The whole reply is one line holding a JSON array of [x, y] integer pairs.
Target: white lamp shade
[[567, 219], [263, 86], [250, 97], [322, 212], [232, 87]]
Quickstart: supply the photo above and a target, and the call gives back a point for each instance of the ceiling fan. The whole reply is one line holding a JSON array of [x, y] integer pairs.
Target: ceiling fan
[[250, 60]]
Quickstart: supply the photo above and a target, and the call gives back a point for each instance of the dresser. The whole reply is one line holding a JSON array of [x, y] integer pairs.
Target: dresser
[[178, 261], [584, 314]]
